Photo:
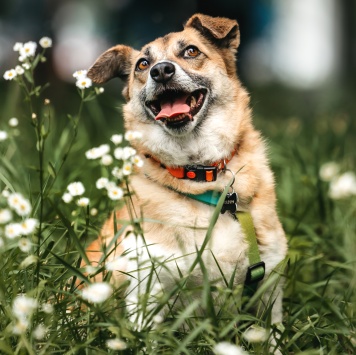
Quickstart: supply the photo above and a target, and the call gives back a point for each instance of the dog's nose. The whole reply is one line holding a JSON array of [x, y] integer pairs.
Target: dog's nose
[[162, 72]]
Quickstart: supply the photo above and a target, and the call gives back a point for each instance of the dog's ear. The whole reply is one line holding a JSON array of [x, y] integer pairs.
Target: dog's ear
[[223, 32], [115, 62]]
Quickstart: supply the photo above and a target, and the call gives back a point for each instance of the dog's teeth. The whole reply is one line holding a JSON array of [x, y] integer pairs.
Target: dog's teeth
[[193, 101]]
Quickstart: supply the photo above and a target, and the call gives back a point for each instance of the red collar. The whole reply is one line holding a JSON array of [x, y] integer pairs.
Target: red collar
[[205, 173]]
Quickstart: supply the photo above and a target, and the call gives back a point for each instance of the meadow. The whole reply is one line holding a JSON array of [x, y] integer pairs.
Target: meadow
[[66, 163]]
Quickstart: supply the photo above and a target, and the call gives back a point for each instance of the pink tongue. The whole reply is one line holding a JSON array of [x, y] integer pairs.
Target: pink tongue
[[171, 109]]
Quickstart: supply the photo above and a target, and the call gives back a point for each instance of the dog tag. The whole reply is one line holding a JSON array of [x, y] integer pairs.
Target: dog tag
[[230, 203]]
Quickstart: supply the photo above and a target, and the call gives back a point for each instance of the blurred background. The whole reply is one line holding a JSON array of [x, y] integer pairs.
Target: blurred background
[[297, 58], [306, 48]]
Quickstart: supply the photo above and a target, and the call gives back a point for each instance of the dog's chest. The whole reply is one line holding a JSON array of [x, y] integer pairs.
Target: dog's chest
[[177, 227]]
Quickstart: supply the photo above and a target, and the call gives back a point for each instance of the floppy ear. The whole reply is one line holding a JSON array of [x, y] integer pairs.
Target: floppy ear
[[223, 32], [115, 62]]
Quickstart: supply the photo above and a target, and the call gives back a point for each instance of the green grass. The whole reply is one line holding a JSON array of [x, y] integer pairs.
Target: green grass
[[42, 156]]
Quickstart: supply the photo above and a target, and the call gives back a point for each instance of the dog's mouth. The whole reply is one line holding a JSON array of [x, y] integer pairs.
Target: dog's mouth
[[176, 109]]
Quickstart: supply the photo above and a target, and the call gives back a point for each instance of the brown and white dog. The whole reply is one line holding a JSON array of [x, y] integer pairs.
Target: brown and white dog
[[183, 95]]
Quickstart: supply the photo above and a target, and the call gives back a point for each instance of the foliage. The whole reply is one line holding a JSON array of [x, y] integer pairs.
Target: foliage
[[46, 152]]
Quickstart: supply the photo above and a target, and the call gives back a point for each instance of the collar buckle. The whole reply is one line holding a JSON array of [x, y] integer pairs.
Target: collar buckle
[[201, 173]]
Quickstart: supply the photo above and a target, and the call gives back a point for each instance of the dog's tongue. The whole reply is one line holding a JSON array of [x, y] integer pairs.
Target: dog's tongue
[[174, 108]]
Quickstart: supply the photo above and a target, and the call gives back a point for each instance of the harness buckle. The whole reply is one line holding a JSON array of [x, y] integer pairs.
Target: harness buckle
[[255, 273]]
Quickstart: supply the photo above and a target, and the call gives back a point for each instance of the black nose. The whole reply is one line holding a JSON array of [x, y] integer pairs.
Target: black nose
[[162, 72]]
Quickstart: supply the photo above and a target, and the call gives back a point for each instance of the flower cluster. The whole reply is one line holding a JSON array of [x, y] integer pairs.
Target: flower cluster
[[27, 52], [97, 292], [83, 82], [15, 221], [119, 162], [341, 185], [225, 348], [76, 190], [22, 308], [13, 123]]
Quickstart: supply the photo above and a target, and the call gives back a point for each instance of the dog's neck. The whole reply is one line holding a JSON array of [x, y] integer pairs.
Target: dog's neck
[[196, 172]]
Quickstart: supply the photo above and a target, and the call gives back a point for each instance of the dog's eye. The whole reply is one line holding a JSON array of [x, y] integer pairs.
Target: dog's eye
[[142, 64], [191, 52]]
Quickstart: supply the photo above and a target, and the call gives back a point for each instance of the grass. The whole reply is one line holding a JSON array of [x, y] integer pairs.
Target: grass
[[44, 154]]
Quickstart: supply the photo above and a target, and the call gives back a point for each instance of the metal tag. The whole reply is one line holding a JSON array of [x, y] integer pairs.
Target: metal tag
[[230, 203]]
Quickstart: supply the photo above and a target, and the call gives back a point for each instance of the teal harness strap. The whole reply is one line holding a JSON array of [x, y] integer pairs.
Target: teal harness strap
[[210, 197]]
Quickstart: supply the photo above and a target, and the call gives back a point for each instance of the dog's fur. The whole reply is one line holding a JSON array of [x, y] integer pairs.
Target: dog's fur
[[222, 126]]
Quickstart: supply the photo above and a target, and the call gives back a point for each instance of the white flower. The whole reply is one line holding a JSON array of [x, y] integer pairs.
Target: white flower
[[23, 306], [13, 230], [97, 152], [225, 348], [27, 66], [343, 186], [83, 83], [127, 169], [24, 245], [130, 135], [101, 183], [18, 46], [23, 208], [115, 193], [137, 161], [20, 326], [116, 139], [67, 197], [3, 135], [106, 160], [14, 199], [28, 49], [89, 269], [19, 70], [255, 334], [92, 153], [97, 292], [119, 153], [10, 74], [29, 225], [118, 264], [116, 172], [45, 42], [5, 216], [101, 90], [329, 171], [17, 202], [5, 193], [76, 188], [31, 259], [93, 211], [158, 319], [80, 74], [83, 202], [47, 308], [13, 122], [39, 332], [128, 152], [116, 344]]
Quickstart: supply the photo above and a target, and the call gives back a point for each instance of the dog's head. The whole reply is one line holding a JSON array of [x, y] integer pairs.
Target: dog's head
[[179, 84]]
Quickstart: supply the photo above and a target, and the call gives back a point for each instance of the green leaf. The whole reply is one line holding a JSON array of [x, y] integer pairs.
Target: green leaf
[[51, 170], [72, 234]]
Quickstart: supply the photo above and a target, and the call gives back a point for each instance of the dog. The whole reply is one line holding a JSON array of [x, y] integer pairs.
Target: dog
[[183, 95]]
